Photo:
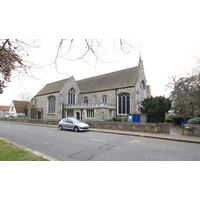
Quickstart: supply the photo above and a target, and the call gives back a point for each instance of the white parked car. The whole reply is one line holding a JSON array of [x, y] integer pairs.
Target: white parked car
[[73, 124]]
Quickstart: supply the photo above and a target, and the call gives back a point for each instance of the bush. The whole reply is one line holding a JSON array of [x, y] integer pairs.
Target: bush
[[169, 119], [116, 119], [197, 113], [109, 120], [195, 120]]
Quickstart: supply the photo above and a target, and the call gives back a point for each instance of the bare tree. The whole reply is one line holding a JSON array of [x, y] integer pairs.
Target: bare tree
[[14, 54], [25, 96], [74, 50]]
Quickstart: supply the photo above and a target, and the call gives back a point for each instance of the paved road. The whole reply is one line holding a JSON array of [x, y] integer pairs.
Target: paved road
[[83, 146]]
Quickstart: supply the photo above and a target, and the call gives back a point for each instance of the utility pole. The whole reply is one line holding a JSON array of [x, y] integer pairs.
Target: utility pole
[[191, 103]]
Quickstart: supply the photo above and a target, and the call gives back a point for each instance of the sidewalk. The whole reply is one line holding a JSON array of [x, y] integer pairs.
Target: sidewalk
[[174, 133]]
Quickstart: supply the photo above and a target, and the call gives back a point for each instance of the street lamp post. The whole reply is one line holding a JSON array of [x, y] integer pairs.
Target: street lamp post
[[191, 103]]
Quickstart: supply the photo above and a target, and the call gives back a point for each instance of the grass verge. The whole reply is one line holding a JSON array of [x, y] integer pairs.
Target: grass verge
[[9, 152]]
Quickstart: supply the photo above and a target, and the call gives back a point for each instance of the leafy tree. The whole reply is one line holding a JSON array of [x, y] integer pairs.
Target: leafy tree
[[26, 110], [12, 53], [184, 90], [156, 108]]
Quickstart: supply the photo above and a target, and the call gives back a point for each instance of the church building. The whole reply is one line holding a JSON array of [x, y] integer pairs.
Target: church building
[[97, 98]]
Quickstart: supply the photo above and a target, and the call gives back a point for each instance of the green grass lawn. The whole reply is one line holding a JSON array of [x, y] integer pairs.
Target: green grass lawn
[[9, 152]]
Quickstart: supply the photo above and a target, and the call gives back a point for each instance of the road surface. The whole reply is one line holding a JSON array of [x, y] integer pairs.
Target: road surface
[[94, 146]]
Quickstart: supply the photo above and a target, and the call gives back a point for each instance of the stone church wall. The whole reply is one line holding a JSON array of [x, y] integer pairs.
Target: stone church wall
[[41, 104]]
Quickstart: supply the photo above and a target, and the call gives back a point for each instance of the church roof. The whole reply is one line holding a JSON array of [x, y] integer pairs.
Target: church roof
[[114, 80], [52, 87]]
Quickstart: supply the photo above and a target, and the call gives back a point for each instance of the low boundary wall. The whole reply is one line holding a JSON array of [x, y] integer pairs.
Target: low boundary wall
[[191, 129], [137, 127], [33, 121]]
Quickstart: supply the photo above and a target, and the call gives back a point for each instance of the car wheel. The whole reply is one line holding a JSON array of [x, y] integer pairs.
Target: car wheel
[[60, 127], [76, 129]]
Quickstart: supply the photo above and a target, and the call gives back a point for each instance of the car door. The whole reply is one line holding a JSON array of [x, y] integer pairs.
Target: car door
[[70, 124], [64, 123]]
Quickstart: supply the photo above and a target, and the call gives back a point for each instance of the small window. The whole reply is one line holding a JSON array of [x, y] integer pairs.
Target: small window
[[93, 100], [85, 100], [90, 113], [104, 98], [110, 113], [70, 113]]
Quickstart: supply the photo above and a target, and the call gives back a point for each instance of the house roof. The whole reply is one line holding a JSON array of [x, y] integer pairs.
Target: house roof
[[6, 108], [52, 87], [114, 80], [19, 105]]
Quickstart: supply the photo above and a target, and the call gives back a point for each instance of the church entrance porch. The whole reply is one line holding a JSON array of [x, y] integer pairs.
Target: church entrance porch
[[78, 115]]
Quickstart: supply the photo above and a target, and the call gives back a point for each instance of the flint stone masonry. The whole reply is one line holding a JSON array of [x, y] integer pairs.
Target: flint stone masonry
[[34, 121], [191, 129], [137, 127], [130, 82]]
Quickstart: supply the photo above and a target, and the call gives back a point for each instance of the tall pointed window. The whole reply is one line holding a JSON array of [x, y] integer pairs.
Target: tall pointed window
[[124, 103], [51, 104], [142, 91], [71, 96]]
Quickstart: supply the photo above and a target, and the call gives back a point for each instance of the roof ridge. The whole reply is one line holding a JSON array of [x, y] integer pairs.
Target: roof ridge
[[58, 81], [107, 73]]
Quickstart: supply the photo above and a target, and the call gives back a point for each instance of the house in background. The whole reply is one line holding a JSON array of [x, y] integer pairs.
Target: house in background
[[17, 108], [97, 98], [4, 111]]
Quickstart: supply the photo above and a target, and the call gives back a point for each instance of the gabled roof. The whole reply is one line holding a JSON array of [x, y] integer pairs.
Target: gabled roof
[[52, 87], [19, 105], [6, 108], [114, 80]]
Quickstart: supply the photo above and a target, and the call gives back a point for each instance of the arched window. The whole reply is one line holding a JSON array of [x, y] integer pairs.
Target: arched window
[[104, 99], [71, 96], [142, 91], [51, 104], [124, 103], [85, 100]]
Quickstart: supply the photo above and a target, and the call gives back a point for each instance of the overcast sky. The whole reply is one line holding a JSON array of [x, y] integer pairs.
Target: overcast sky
[[168, 33]]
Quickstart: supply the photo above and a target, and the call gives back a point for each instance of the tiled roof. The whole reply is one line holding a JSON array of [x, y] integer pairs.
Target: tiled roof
[[6, 108], [119, 79], [113, 80], [52, 87], [19, 105]]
